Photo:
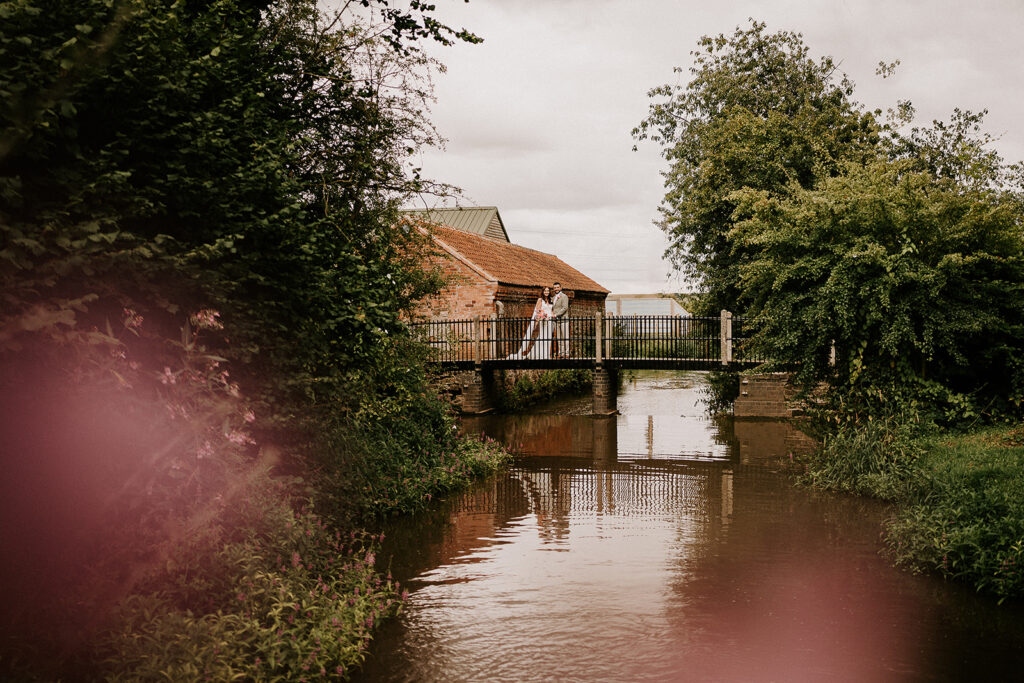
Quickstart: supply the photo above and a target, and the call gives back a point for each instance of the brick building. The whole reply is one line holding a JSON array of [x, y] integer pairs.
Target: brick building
[[492, 276]]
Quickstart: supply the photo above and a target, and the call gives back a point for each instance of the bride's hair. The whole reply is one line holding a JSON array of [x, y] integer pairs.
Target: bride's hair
[[545, 296]]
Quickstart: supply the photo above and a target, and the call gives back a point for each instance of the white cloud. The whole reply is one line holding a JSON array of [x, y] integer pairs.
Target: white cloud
[[538, 118]]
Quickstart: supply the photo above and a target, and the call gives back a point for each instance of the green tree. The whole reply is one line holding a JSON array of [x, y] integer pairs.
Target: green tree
[[916, 280], [758, 113], [244, 155], [162, 158]]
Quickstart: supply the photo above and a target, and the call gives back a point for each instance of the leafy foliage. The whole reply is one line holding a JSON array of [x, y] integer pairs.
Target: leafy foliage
[[759, 113], [719, 391], [297, 601], [240, 159], [252, 165], [529, 388], [917, 282], [901, 249]]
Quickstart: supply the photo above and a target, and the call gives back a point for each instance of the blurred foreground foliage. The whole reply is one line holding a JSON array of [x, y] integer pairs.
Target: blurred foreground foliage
[[202, 292]]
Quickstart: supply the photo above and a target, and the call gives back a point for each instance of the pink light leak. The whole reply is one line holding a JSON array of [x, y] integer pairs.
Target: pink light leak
[[71, 456], [803, 619]]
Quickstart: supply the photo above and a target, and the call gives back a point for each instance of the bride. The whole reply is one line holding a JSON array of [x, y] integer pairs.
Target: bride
[[540, 327]]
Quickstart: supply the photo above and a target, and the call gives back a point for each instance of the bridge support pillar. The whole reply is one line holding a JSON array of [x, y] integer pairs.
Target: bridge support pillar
[[763, 395], [604, 391], [478, 392]]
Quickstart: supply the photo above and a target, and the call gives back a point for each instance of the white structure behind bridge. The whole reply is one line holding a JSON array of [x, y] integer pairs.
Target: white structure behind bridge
[[643, 304]]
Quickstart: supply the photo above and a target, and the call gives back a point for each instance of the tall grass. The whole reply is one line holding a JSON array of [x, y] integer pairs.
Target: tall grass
[[875, 458]]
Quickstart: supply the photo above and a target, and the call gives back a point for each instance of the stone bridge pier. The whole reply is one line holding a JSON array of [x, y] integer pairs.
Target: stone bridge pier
[[479, 392], [605, 391], [764, 395]]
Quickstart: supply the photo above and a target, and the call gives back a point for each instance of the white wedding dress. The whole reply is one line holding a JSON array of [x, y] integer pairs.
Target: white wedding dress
[[540, 326]]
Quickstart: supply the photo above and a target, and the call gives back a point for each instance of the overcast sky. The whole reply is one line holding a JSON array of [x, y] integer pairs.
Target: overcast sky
[[538, 117]]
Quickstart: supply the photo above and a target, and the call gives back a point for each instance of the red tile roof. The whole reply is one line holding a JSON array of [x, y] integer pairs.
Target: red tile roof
[[512, 264]]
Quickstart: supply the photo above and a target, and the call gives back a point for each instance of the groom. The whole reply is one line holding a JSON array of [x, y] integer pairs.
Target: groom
[[560, 312]]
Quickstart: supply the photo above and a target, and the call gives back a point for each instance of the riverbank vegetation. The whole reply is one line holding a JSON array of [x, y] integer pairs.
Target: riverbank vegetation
[[206, 381], [959, 496], [881, 262], [533, 387]]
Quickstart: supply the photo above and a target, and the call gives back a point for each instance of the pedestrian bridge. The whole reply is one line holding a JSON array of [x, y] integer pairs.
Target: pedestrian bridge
[[611, 341], [603, 343]]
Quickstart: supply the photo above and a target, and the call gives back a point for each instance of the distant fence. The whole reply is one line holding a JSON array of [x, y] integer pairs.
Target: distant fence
[[626, 340]]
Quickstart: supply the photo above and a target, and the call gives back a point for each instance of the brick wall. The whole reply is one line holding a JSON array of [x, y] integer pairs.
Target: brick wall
[[519, 301], [585, 305], [465, 295], [763, 395]]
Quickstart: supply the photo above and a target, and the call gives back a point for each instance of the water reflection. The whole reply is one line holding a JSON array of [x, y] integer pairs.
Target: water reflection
[[661, 545]]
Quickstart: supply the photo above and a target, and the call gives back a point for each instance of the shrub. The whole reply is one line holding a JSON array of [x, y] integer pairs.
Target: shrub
[[720, 391], [390, 465], [290, 601], [875, 458], [530, 388]]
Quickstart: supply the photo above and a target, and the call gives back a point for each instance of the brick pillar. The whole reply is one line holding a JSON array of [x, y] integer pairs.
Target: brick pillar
[[604, 391], [762, 396], [478, 393]]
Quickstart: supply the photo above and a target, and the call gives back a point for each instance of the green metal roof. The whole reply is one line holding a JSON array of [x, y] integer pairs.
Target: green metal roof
[[479, 220]]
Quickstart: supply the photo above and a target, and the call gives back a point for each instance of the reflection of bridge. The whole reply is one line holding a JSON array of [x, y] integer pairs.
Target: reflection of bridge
[[592, 474], [605, 343]]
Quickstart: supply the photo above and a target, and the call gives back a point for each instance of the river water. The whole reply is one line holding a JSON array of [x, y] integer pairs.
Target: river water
[[662, 545]]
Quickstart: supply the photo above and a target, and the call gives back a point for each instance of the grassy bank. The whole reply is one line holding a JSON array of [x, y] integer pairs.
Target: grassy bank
[[959, 498]]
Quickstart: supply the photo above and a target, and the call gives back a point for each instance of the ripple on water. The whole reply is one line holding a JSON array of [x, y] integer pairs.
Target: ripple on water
[[659, 547]]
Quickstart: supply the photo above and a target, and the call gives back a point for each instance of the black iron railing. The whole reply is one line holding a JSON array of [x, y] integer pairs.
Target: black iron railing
[[663, 337], [633, 338]]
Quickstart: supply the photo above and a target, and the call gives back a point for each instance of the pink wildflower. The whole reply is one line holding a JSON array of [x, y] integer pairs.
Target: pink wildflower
[[205, 451], [239, 438], [206, 319], [132, 320], [167, 377], [249, 416]]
